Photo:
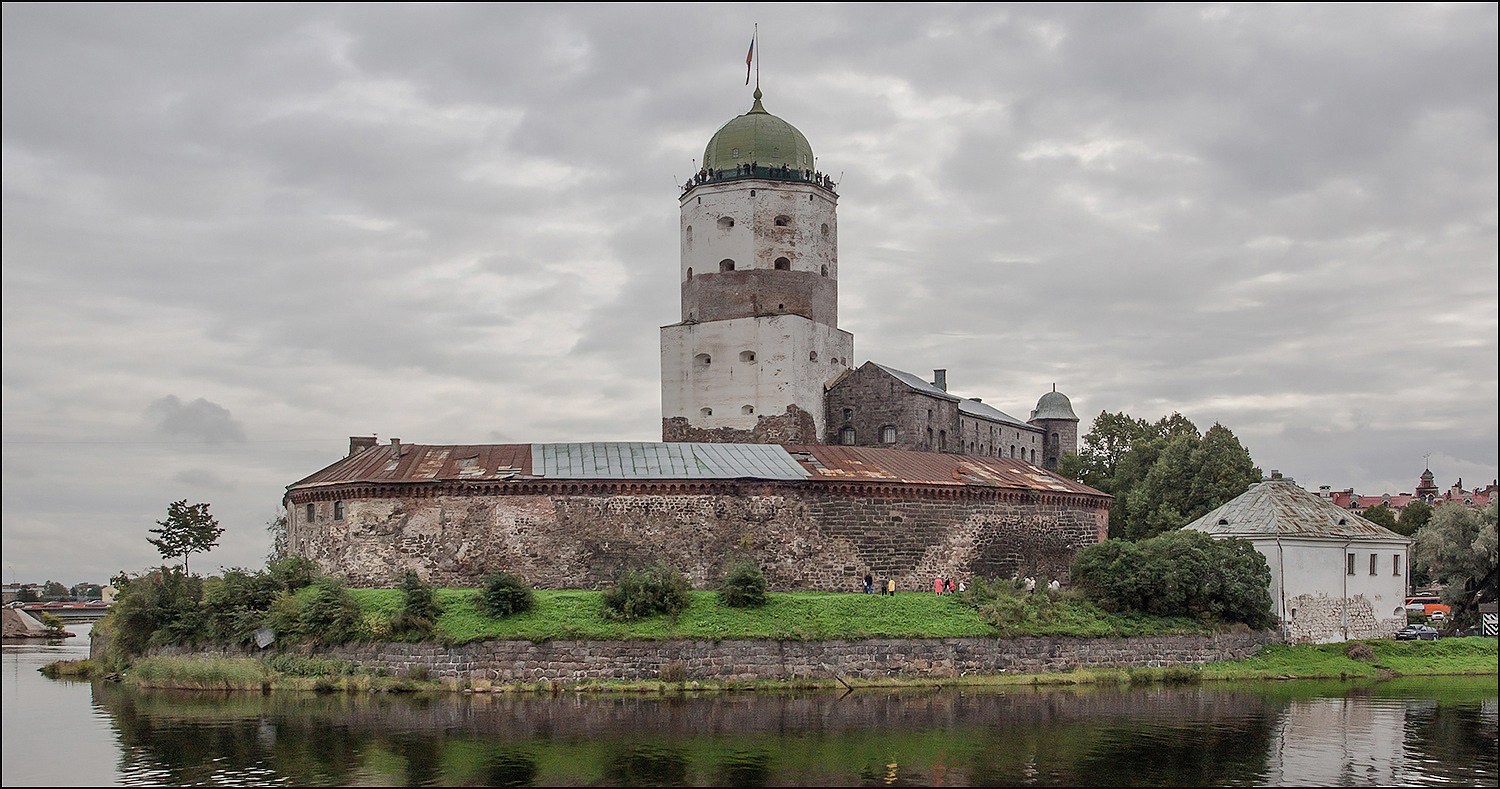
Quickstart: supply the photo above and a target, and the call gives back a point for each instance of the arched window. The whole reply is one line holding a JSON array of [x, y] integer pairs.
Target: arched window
[[725, 223], [825, 269], [783, 221], [929, 438], [338, 511], [747, 357], [747, 409], [825, 230], [888, 434], [1033, 456], [846, 436], [783, 264], [705, 411], [942, 441], [310, 513], [690, 273], [1012, 450], [688, 235], [702, 360], [735, 153], [726, 265]]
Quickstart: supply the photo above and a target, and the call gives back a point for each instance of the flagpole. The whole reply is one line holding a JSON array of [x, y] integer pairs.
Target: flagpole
[[756, 39]]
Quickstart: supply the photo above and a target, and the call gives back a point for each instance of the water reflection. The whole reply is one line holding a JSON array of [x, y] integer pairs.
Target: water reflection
[[1440, 731]]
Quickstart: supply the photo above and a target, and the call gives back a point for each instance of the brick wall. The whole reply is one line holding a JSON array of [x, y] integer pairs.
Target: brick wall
[[805, 537]]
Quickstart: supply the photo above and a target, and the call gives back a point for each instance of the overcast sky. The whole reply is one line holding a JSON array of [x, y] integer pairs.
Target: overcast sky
[[236, 235]]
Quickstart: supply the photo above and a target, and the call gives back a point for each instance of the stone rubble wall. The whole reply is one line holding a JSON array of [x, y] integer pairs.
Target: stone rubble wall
[[733, 661], [803, 540], [1320, 619]]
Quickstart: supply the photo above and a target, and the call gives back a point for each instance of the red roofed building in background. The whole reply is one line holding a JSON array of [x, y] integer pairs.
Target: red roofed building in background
[[1426, 491]]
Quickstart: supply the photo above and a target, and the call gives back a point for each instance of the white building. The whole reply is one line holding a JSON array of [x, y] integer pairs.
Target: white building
[[1334, 575]]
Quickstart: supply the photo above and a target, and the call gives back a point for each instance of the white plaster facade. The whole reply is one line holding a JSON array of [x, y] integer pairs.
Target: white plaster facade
[[809, 239], [706, 379]]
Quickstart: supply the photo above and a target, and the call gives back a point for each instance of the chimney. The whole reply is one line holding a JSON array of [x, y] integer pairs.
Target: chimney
[[975, 399], [1275, 475], [396, 448], [940, 379], [358, 444]]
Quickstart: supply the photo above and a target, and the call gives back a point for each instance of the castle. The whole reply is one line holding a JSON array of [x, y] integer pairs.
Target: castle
[[775, 446]]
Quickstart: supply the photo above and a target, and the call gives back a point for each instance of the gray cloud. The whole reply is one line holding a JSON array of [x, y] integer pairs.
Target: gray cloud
[[199, 420], [456, 222]]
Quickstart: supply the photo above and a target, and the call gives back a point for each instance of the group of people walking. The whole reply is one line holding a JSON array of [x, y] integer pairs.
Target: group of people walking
[[887, 586]]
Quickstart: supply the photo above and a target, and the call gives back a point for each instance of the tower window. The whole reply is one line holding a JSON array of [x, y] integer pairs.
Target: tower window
[[747, 357], [846, 436], [825, 269], [702, 360], [812, 356], [747, 409], [752, 192], [726, 265], [690, 273], [783, 264], [888, 434], [783, 221], [688, 235], [705, 411], [735, 153], [942, 441], [310, 513], [338, 511], [848, 414], [825, 229], [726, 222]]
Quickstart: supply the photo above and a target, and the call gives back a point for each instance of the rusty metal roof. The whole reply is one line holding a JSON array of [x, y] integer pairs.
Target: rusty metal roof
[[664, 461], [1281, 508], [875, 464]]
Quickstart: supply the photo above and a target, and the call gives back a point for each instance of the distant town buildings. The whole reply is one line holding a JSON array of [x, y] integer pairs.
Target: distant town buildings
[[1426, 491]]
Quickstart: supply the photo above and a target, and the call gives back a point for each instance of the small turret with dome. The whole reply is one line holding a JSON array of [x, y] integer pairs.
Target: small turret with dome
[[1054, 414]]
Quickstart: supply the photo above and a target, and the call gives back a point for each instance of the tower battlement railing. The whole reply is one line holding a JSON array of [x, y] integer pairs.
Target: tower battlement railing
[[765, 173]]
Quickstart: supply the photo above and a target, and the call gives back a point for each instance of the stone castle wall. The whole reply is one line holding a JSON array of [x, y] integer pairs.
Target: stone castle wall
[[1321, 619], [804, 537], [731, 661]]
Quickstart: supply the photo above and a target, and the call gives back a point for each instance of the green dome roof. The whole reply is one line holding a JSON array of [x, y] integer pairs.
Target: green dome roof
[[759, 137]]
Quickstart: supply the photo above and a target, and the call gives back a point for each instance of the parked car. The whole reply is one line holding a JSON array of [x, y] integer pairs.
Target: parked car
[[1418, 633], [1437, 616]]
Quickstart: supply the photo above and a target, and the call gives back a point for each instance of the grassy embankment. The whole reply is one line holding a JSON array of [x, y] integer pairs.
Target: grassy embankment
[[799, 616], [811, 616]]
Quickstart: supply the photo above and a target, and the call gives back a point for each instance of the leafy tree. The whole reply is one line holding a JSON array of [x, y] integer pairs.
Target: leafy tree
[[28, 594], [1162, 474], [1380, 515], [1414, 516], [187, 529], [54, 590], [1180, 573], [1459, 548]]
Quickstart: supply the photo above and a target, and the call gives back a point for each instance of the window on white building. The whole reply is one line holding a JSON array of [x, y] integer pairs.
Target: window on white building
[[1350, 571]]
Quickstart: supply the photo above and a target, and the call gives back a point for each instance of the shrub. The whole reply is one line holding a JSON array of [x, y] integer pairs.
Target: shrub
[[308, 666], [505, 594], [744, 586], [1359, 650], [331, 615], [420, 609], [235, 604], [292, 572], [641, 593], [1181, 573], [156, 608]]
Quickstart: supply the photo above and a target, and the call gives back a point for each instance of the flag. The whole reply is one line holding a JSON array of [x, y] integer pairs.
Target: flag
[[748, 56]]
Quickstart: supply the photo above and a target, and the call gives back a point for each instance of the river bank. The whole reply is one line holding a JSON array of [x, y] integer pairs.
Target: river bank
[[1374, 659]]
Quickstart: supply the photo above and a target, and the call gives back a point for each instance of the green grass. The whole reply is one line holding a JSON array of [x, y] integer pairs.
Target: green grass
[[810, 616], [1472, 655]]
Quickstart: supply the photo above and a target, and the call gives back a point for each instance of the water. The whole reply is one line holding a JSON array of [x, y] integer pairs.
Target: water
[[1413, 731]]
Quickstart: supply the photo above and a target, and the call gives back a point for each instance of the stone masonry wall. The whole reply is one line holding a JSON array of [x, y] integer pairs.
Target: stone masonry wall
[[1321, 619], [793, 427], [803, 539], [581, 661]]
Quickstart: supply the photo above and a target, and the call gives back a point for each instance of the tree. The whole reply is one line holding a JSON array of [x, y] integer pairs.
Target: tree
[[1414, 516], [187, 529], [1381, 515], [1459, 548], [54, 590]]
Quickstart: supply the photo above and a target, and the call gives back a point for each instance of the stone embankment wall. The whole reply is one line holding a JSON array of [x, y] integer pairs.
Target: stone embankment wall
[[581, 661], [803, 539]]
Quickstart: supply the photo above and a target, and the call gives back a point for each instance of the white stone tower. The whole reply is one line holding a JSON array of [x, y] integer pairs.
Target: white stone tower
[[759, 335]]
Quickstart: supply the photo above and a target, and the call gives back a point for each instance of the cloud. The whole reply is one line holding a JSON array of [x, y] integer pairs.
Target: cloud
[[199, 420]]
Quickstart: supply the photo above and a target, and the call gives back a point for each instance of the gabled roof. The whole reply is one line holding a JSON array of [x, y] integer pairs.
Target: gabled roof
[[966, 405], [1280, 508]]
